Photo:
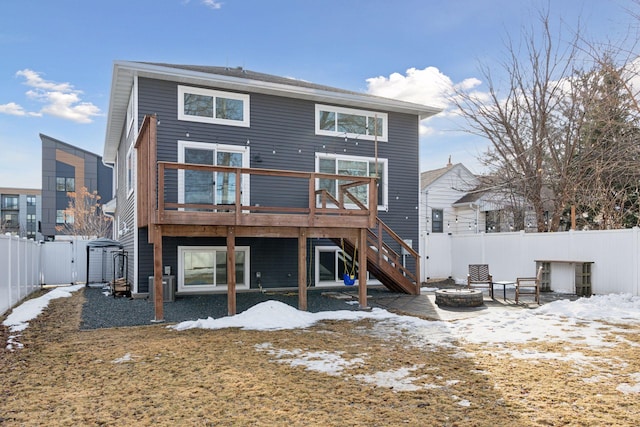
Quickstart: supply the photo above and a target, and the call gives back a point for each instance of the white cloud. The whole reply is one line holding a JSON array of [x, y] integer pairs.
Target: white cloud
[[33, 79], [212, 4], [59, 99], [428, 86], [13, 109]]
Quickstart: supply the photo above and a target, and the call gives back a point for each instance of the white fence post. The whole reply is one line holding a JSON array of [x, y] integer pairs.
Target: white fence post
[[19, 270], [5, 274], [635, 249]]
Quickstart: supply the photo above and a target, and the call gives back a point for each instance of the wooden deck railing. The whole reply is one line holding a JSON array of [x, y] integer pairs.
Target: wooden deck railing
[[409, 266], [319, 208]]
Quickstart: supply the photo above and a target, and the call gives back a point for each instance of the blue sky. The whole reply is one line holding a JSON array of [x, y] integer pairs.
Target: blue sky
[[56, 57]]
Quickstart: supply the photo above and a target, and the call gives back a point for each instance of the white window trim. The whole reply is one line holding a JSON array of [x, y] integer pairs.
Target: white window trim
[[131, 136], [215, 94], [130, 170], [210, 288], [245, 181], [383, 205], [383, 116]]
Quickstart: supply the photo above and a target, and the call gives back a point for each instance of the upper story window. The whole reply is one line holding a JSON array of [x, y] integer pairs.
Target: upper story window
[[350, 123], [131, 113], [355, 166], [65, 184], [31, 200], [9, 202], [130, 170], [213, 106]]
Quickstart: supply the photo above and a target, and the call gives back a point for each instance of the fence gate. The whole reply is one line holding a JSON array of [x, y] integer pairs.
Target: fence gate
[[58, 263]]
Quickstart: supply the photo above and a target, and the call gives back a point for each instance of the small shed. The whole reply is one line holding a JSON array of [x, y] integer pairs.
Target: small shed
[[100, 259]]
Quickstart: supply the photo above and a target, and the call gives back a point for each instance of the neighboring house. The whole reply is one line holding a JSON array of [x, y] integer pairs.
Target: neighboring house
[[269, 195], [66, 168], [20, 212], [459, 202], [442, 193]]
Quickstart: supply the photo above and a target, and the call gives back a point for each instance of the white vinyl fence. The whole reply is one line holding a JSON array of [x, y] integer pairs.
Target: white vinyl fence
[[19, 270], [615, 255], [26, 265]]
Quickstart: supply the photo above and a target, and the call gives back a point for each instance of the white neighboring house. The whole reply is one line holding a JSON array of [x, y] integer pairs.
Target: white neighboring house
[[455, 201], [448, 205]]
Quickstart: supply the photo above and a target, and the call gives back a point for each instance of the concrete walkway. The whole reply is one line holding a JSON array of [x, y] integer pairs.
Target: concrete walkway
[[424, 305]]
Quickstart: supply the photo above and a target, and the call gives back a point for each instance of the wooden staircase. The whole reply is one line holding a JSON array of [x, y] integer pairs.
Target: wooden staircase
[[385, 263]]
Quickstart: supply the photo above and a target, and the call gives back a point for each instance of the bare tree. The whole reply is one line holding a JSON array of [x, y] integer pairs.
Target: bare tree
[[606, 164], [533, 125], [84, 217]]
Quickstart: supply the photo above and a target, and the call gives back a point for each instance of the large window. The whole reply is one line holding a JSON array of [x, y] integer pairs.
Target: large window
[[212, 106], [9, 220], [350, 123], [204, 268], [355, 166], [31, 200], [211, 188], [65, 184], [10, 202]]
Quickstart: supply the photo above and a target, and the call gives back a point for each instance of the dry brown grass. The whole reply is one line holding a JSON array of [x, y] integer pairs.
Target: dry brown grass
[[65, 376]]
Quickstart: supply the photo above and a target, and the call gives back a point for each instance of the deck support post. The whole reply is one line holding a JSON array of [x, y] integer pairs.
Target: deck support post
[[158, 297], [362, 269], [231, 270], [302, 269]]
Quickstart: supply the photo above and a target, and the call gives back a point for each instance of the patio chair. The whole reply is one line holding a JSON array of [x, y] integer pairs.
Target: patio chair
[[479, 277], [529, 286]]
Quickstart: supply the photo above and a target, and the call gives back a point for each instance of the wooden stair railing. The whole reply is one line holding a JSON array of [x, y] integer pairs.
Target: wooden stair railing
[[386, 264]]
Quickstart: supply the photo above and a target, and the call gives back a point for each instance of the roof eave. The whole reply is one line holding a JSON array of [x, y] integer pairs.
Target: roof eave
[[124, 72]]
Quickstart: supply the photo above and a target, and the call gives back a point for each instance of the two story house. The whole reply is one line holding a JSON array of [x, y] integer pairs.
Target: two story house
[[228, 179]]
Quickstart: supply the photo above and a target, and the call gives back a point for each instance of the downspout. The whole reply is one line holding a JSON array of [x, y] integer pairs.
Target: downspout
[[114, 235]]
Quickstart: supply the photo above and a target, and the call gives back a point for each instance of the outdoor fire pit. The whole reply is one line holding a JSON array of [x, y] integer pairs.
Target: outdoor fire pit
[[459, 298]]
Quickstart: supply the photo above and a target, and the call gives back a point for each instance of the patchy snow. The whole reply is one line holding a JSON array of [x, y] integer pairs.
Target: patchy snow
[[590, 321], [20, 316], [128, 357], [597, 322]]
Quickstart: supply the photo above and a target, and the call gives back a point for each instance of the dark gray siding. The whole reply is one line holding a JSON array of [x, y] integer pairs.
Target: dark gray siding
[[285, 126], [125, 214]]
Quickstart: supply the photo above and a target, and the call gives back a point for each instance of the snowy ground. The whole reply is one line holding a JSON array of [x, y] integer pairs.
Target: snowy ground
[[598, 321]]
